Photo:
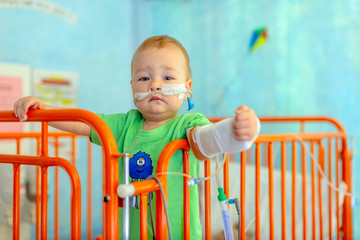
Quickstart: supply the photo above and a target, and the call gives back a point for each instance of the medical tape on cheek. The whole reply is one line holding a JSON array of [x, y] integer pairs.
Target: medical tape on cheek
[[173, 89], [141, 95], [167, 89]]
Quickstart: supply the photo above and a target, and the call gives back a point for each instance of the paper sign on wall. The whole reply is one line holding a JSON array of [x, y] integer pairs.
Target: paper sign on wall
[[10, 91], [59, 89], [56, 88], [14, 84]]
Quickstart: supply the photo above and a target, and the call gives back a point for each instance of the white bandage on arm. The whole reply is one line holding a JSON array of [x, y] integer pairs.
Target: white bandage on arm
[[217, 138]]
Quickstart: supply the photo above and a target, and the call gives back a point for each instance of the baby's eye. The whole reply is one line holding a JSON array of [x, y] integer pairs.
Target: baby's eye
[[144, 79], [168, 78]]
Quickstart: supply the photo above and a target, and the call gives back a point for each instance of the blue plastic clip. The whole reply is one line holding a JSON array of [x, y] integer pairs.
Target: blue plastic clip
[[190, 104], [194, 181], [230, 201]]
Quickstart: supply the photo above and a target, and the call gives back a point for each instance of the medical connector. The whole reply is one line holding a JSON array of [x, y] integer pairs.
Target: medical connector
[[237, 205], [125, 190], [190, 104], [194, 181], [225, 215]]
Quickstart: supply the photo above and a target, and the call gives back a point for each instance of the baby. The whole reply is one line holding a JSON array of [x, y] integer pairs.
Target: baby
[[161, 81]]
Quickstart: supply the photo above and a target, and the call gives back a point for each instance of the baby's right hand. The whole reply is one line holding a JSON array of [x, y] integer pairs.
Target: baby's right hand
[[22, 106]]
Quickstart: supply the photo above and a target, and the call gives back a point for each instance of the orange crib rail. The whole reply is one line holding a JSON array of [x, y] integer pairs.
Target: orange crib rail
[[344, 154], [57, 137], [334, 153], [268, 142], [110, 164], [44, 162]]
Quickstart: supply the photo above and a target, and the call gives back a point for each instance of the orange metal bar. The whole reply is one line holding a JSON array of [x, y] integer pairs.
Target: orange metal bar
[[226, 175], [294, 174], [44, 139], [330, 191], [264, 138], [143, 216], [145, 186], [207, 201], [283, 190], [271, 189], [73, 147], [186, 166], [347, 218], [257, 191], [290, 137], [43, 197], [56, 197], [313, 191], [37, 224], [162, 166], [295, 119], [16, 202], [321, 163], [287, 137], [89, 191], [18, 146], [45, 162], [242, 194], [110, 153], [151, 185], [44, 176], [337, 186], [12, 135], [304, 183]]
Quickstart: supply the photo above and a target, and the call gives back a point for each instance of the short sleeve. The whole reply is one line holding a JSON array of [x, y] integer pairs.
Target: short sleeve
[[190, 120], [198, 119], [115, 123]]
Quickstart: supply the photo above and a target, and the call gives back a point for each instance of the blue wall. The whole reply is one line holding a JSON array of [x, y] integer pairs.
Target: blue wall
[[309, 65]]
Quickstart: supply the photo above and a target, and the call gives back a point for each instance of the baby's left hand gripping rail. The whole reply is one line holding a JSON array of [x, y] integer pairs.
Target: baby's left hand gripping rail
[[110, 155]]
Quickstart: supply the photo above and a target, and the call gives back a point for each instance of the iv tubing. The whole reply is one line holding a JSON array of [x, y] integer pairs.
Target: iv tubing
[[192, 178], [126, 211]]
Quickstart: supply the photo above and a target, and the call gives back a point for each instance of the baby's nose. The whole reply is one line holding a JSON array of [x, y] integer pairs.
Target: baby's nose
[[155, 88], [155, 85]]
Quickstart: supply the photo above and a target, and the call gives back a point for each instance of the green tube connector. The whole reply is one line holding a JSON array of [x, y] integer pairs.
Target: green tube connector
[[221, 197]]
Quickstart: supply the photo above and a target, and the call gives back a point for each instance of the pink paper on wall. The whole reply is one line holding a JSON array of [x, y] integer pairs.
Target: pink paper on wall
[[10, 90]]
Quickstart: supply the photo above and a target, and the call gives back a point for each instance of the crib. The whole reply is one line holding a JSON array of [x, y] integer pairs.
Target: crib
[[324, 212]]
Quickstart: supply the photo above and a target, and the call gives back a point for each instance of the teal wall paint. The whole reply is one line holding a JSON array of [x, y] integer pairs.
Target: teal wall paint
[[309, 66]]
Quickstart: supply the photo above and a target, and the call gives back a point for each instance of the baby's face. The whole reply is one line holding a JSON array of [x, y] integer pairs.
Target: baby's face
[[153, 68]]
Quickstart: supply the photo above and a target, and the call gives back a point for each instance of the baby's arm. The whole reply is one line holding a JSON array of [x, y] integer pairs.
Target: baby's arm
[[24, 104], [229, 135]]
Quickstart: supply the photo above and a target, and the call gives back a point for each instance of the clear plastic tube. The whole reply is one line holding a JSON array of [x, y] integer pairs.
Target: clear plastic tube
[[226, 219]]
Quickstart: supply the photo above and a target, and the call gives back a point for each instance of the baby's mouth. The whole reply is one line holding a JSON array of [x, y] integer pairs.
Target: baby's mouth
[[153, 98]]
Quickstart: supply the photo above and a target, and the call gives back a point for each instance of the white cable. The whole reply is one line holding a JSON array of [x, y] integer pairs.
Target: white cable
[[192, 177], [216, 158], [164, 202], [321, 171]]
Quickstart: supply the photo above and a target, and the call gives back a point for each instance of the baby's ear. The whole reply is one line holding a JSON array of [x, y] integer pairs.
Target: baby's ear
[[188, 84]]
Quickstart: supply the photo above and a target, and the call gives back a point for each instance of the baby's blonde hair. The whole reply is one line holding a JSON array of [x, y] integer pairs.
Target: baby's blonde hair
[[163, 41]]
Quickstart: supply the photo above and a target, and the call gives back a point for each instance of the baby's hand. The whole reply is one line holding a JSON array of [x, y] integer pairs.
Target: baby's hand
[[22, 106], [245, 127]]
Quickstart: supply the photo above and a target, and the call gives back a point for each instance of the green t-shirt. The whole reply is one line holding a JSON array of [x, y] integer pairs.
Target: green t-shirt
[[145, 148]]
